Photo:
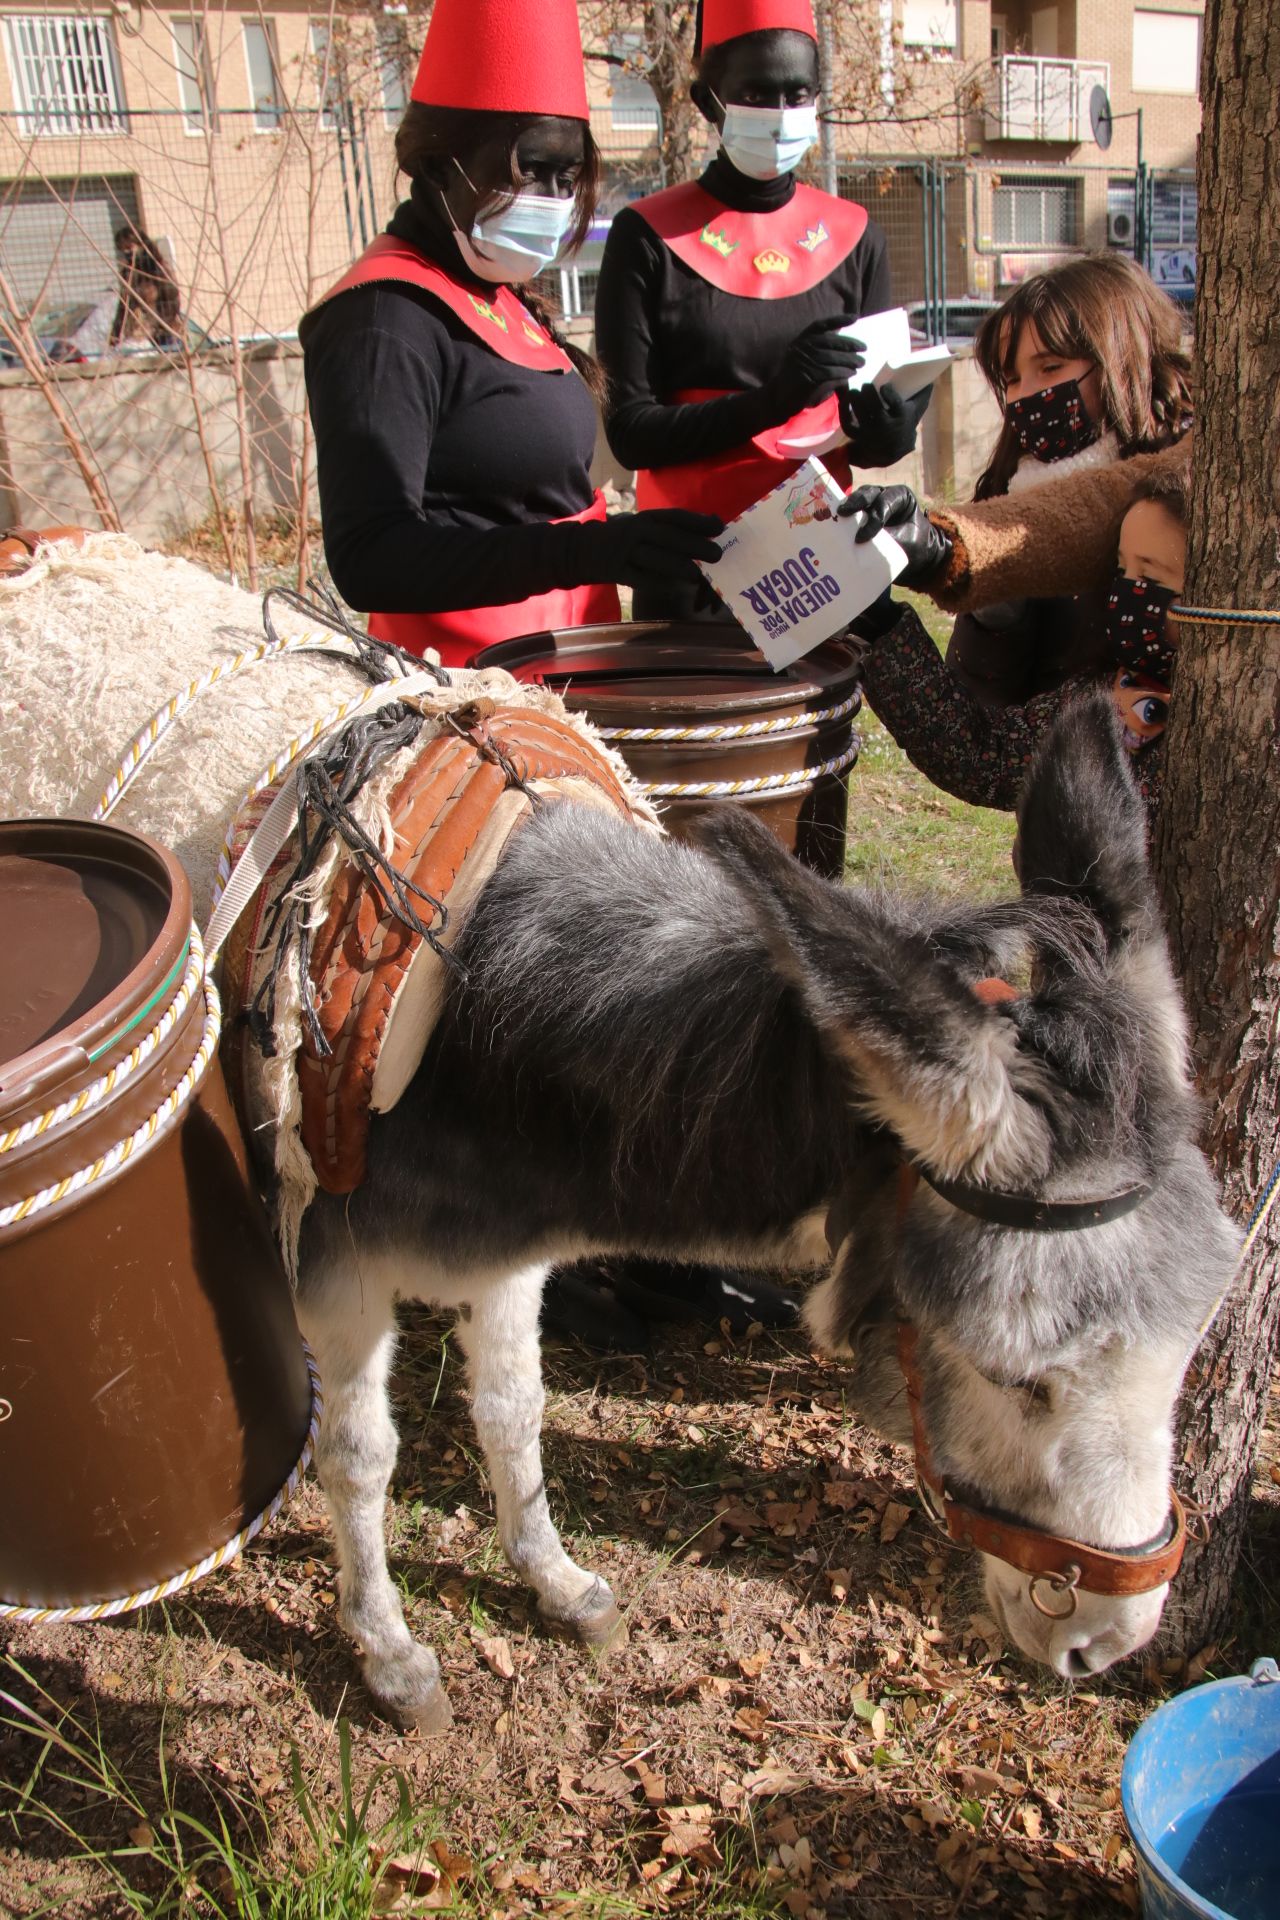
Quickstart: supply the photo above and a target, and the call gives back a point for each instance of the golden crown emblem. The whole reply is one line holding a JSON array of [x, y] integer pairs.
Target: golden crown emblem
[[487, 312], [719, 242], [772, 261]]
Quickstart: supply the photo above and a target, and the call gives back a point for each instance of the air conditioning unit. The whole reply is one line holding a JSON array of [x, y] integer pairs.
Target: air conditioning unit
[[1120, 228]]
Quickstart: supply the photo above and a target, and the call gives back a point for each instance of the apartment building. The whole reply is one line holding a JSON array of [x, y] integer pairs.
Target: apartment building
[[254, 143], [1011, 83]]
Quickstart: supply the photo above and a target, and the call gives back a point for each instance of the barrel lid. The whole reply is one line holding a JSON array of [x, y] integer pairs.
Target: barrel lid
[[95, 920], [631, 670]]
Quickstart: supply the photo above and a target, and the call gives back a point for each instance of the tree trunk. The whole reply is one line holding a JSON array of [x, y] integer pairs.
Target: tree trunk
[[1219, 829]]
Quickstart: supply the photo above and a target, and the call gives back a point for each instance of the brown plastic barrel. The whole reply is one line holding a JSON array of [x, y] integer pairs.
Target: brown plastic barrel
[[655, 673], [154, 1393]]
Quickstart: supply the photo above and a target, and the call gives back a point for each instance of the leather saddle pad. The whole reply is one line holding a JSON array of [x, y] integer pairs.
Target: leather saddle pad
[[378, 984]]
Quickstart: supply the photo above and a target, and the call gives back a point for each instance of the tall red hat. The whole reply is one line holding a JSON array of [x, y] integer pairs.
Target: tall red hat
[[504, 56], [726, 19]]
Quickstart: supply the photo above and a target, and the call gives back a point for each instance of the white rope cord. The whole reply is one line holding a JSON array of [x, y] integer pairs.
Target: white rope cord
[[774, 783], [179, 1582], [737, 730], [123, 1070], [146, 740], [108, 1163]]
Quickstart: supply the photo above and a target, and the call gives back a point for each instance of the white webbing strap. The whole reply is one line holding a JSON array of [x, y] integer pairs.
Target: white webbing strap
[[281, 818]]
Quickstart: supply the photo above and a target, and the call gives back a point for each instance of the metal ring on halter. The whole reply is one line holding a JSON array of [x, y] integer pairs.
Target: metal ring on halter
[[1067, 1583], [1198, 1528]]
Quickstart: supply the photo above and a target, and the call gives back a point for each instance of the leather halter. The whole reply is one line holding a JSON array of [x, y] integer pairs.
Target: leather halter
[[1052, 1561]]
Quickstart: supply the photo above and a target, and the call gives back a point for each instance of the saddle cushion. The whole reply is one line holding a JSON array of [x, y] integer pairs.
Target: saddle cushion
[[378, 983]]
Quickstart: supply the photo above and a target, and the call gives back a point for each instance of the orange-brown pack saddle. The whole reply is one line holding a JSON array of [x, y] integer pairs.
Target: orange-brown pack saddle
[[377, 985]]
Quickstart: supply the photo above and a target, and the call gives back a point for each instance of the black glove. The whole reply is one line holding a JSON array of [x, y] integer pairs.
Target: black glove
[[897, 511], [635, 548], [818, 362], [881, 426]]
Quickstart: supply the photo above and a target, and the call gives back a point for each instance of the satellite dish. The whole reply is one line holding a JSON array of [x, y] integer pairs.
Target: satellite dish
[[1100, 117]]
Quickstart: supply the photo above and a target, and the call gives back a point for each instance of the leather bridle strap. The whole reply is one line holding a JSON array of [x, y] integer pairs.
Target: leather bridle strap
[[1033, 1215], [1063, 1563]]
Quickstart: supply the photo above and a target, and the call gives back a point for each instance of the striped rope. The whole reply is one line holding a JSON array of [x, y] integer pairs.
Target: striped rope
[[773, 783], [110, 1162], [1227, 616], [179, 1582], [1257, 1219], [737, 730], [115, 1077], [146, 740]]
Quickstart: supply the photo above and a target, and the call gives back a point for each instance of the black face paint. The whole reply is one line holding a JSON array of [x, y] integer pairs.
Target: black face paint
[[1134, 622], [1052, 424]]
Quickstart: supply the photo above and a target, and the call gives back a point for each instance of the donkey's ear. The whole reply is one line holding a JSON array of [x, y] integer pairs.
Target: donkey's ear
[[924, 1056], [1082, 826]]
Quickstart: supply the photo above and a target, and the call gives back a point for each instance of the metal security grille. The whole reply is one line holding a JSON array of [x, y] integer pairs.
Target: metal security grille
[[66, 74], [1036, 213]]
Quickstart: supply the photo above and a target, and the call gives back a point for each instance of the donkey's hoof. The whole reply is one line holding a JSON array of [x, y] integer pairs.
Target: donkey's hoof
[[594, 1623], [407, 1691], [432, 1715]]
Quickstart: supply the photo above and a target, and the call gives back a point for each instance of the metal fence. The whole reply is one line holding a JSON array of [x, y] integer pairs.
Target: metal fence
[[200, 423]]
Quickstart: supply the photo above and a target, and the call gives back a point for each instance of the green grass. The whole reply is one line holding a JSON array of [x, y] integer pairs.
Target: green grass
[[905, 833]]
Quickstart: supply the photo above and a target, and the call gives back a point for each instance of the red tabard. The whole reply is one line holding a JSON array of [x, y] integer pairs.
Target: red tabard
[[757, 256], [760, 256], [729, 483], [503, 324]]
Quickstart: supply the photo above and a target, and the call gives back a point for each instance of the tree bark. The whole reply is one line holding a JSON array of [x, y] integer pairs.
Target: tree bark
[[1219, 829]]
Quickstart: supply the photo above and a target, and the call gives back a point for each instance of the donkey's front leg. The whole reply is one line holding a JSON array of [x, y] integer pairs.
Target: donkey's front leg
[[499, 1334], [351, 1330]]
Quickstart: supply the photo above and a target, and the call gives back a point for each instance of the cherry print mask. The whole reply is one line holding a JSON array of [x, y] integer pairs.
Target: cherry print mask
[[1052, 424], [1135, 622]]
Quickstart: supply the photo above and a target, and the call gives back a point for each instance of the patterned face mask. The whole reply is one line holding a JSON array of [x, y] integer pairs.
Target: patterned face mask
[[1135, 625], [1134, 621], [1052, 424]]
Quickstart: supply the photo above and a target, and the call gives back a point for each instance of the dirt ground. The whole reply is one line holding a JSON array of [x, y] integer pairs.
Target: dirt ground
[[814, 1714]]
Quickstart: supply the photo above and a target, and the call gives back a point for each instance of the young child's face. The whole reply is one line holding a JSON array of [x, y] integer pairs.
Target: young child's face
[[1153, 550], [1153, 545], [1035, 368]]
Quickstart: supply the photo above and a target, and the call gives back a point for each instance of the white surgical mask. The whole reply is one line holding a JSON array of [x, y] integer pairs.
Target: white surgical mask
[[766, 142], [517, 241]]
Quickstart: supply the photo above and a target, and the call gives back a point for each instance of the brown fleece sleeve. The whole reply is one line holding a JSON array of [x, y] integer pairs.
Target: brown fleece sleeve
[[1059, 538]]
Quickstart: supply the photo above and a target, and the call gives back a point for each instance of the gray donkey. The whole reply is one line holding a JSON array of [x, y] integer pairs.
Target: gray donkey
[[703, 1052]]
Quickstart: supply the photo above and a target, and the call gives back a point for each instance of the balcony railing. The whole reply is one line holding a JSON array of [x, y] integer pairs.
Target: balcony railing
[[1039, 99]]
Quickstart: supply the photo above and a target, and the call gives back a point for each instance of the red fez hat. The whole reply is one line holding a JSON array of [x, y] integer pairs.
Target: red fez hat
[[504, 56], [726, 19]]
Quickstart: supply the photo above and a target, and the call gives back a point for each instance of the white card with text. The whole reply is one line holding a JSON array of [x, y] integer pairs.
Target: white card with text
[[792, 574]]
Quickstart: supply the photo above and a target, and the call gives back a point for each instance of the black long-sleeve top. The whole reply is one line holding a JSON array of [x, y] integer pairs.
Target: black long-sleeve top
[[439, 464], [978, 752], [661, 328]]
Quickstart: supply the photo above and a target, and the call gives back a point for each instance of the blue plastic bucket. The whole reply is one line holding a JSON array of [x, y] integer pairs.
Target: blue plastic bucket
[[1201, 1792]]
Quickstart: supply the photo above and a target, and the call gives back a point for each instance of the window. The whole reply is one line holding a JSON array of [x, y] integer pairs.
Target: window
[[327, 59], [1036, 213], [1173, 213], [264, 74], [929, 27], [631, 98], [57, 247], [1166, 52], [66, 73], [394, 56], [195, 76]]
